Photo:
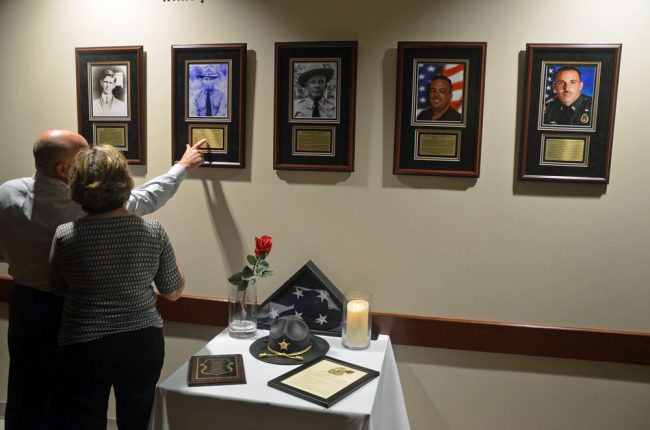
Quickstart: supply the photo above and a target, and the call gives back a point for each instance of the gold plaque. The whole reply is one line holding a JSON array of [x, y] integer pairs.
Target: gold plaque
[[214, 135], [564, 150], [314, 141], [437, 145], [114, 136]]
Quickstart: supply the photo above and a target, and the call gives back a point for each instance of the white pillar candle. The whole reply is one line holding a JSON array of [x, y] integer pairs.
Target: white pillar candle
[[357, 334]]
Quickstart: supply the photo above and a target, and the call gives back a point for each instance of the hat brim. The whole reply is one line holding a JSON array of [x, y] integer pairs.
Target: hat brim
[[319, 347], [326, 72]]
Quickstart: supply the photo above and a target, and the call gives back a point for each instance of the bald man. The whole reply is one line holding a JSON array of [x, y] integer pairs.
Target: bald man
[[30, 211]]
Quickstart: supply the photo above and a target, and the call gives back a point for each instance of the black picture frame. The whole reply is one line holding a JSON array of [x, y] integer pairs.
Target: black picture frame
[[308, 135], [568, 115], [110, 98], [215, 72], [439, 134], [281, 382]]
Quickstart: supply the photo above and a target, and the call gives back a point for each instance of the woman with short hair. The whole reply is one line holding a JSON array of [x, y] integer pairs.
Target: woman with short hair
[[105, 265]]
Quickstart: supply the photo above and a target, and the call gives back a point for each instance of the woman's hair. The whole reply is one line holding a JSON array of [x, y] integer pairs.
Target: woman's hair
[[100, 180]]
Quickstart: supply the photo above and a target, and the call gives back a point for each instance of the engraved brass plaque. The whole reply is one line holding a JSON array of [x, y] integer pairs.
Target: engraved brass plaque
[[114, 136], [314, 141], [437, 145], [564, 150], [214, 136]]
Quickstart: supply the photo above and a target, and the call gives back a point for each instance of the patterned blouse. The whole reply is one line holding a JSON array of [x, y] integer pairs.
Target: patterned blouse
[[105, 267]]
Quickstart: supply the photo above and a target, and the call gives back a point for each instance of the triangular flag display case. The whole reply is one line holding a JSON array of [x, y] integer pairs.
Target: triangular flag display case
[[310, 295]]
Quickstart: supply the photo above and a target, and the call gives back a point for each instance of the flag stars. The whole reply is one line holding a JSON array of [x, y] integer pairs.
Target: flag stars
[[323, 296], [322, 319], [299, 314], [298, 293], [274, 313]]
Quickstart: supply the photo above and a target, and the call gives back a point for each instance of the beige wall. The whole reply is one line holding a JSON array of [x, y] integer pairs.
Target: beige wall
[[492, 248]]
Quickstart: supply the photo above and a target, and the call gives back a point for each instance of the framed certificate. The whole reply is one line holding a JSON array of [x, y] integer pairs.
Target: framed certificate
[[568, 117], [324, 381]]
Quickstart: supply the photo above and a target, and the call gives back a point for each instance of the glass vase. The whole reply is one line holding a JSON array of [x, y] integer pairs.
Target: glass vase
[[242, 311]]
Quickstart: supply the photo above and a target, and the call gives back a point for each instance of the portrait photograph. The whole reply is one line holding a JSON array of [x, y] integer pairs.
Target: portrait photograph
[[108, 90], [569, 95], [208, 90], [315, 99], [569, 105], [314, 91], [438, 90], [439, 108], [110, 98], [209, 102]]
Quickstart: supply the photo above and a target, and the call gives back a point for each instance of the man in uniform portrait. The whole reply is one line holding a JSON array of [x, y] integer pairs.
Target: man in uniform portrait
[[314, 83], [209, 101], [440, 94], [107, 104], [568, 105]]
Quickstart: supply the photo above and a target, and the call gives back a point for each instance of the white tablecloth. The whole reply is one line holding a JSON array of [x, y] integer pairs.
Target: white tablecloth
[[378, 405]]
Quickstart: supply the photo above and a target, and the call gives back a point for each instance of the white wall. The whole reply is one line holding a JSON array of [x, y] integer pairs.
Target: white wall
[[492, 248]]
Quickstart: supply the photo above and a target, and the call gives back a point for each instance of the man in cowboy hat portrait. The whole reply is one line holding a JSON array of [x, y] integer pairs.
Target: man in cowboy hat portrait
[[312, 99], [208, 101], [107, 103]]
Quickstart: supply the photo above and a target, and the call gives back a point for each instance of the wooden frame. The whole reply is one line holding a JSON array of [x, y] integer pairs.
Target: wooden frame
[[209, 101], [110, 98], [569, 109], [471, 335], [439, 108], [315, 92]]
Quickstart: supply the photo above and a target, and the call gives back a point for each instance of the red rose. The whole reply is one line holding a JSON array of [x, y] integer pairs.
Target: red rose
[[263, 246]]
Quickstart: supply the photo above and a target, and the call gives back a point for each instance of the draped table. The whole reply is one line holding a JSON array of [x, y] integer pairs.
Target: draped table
[[378, 405]]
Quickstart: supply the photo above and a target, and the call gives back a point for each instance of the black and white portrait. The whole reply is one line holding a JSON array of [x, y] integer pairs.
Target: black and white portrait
[[109, 90], [315, 90]]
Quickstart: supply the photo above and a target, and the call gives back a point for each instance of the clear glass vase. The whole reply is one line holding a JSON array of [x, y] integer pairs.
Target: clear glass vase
[[242, 311]]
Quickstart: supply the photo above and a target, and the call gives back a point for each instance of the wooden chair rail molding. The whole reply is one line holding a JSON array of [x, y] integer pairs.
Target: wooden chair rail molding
[[486, 336]]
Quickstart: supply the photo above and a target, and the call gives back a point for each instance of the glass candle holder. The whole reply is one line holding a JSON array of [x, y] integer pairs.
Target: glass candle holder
[[356, 320]]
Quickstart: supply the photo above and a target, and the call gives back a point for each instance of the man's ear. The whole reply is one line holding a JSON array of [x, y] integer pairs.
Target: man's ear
[[62, 170]]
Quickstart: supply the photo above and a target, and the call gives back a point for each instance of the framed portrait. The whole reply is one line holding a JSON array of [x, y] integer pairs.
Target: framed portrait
[[315, 93], [439, 108], [569, 105], [110, 98], [209, 102]]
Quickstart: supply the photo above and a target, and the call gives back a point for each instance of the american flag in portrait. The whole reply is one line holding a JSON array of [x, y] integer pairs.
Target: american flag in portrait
[[549, 93], [427, 70]]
